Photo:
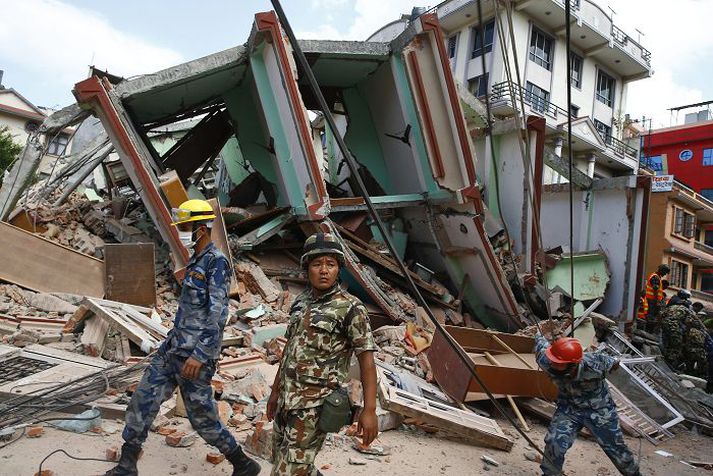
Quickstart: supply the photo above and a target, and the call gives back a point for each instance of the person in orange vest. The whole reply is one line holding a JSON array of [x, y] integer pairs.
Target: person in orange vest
[[642, 311], [656, 298]]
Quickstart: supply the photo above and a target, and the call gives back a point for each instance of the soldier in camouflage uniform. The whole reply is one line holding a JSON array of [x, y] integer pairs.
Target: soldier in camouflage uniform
[[188, 356], [583, 401], [327, 325], [672, 334], [694, 340]]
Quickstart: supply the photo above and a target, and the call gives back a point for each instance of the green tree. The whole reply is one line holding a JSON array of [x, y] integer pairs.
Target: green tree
[[9, 150]]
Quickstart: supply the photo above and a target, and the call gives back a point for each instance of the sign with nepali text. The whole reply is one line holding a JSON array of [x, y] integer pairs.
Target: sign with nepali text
[[661, 183]]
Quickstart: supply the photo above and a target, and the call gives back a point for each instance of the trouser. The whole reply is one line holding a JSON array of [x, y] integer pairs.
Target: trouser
[[296, 442], [157, 386], [604, 425]]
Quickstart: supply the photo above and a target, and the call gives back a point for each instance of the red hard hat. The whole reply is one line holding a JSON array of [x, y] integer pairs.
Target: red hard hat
[[565, 350]]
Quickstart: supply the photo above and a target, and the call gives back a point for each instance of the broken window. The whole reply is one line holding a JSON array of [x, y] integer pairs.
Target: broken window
[[58, 145]]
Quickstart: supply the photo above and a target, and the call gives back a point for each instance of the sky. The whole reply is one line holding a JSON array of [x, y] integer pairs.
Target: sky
[[47, 45]]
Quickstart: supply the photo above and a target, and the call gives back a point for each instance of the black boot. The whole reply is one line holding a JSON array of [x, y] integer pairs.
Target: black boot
[[127, 462], [242, 464]]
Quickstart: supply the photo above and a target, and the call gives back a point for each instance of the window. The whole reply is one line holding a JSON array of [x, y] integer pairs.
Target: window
[[478, 86], [679, 274], [488, 33], [707, 282], [541, 49], [605, 88], [684, 223], [452, 43], [538, 98], [707, 193], [708, 240], [576, 64], [655, 162], [574, 111], [58, 145], [603, 129], [707, 156]]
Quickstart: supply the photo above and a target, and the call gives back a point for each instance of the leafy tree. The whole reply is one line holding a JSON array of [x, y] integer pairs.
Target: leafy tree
[[9, 150]]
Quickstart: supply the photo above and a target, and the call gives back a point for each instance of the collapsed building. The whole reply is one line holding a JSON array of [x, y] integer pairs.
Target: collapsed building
[[242, 128]]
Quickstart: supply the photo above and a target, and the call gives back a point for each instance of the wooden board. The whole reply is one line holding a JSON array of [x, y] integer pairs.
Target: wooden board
[[130, 273], [43, 266], [220, 237], [116, 315], [465, 424], [94, 335], [173, 189]]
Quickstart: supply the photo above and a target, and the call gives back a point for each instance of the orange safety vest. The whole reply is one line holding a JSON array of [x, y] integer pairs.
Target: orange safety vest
[[650, 293], [643, 309]]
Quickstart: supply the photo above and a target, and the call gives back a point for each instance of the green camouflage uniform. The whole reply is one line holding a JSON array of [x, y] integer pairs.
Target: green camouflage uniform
[[322, 335], [672, 334], [694, 346]]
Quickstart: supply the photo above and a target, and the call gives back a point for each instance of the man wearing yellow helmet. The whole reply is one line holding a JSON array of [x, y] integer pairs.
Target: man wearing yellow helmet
[[188, 356]]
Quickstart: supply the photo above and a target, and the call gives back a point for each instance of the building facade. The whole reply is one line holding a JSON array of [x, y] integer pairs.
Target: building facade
[[21, 117], [685, 151], [681, 236]]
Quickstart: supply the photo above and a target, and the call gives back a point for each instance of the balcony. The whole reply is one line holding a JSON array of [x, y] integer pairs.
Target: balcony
[[504, 104], [703, 247]]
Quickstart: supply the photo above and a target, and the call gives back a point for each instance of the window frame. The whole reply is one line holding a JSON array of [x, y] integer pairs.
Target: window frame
[[488, 31], [547, 57], [603, 127], [684, 224], [58, 145], [541, 103], [453, 38], [576, 111], [576, 82], [480, 84], [679, 274], [607, 101], [707, 161]]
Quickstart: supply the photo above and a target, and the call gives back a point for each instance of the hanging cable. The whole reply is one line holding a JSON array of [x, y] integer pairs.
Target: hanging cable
[[353, 167], [568, 33]]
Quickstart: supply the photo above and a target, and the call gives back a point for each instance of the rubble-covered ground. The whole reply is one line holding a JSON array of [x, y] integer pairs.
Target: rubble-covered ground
[[413, 452]]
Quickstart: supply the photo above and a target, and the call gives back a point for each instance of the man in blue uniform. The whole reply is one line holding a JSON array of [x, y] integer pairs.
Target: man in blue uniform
[[188, 356], [583, 401]]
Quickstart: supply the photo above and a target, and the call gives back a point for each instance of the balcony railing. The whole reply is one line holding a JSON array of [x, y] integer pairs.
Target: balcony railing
[[501, 92], [574, 4], [633, 47]]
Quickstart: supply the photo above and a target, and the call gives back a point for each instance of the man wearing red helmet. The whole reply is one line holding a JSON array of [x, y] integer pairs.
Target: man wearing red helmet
[[583, 401]]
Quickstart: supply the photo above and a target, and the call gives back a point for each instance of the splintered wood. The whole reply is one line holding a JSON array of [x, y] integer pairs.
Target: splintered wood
[[465, 424]]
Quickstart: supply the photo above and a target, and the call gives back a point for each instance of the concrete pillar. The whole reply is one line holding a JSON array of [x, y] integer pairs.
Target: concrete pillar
[[558, 146], [591, 158]]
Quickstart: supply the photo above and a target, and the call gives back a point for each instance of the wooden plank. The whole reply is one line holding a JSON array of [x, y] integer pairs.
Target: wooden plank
[[510, 400], [133, 331], [130, 273], [467, 425], [94, 335], [219, 235], [43, 266], [173, 189], [152, 326], [49, 354]]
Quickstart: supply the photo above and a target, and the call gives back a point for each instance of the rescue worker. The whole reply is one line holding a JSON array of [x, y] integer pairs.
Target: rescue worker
[[187, 357], [672, 331], [642, 311], [583, 401], [656, 298], [327, 325], [694, 346], [683, 296]]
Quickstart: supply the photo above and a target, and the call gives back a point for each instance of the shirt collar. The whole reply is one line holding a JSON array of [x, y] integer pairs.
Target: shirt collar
[[196, 257], [332, 291]]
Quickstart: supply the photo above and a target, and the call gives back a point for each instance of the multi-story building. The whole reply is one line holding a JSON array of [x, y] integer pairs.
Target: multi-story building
[[604, 61], [21, 117], [685, 151], [681, 235]]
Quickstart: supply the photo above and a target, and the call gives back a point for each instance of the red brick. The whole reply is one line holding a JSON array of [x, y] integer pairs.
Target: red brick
[[166, 430], [215, 458], [174, 439], [45, 472], [35, 431], [113, 453]]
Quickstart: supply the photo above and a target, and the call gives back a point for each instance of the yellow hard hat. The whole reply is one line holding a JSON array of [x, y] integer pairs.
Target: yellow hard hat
[[192, 210]]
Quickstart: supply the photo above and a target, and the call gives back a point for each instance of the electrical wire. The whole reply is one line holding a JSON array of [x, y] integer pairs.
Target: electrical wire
[[78, 458], [24, 430], [463, 357], [568, 35]]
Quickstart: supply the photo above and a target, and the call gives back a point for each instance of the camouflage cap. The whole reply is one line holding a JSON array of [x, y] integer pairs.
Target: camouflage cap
[[322, 244]]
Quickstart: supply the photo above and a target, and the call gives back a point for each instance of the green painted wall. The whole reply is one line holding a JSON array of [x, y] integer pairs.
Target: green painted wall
[[362, 138]]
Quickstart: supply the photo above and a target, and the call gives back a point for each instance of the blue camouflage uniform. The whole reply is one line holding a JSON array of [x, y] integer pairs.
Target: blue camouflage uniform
[[583, 401], [197, 332]]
